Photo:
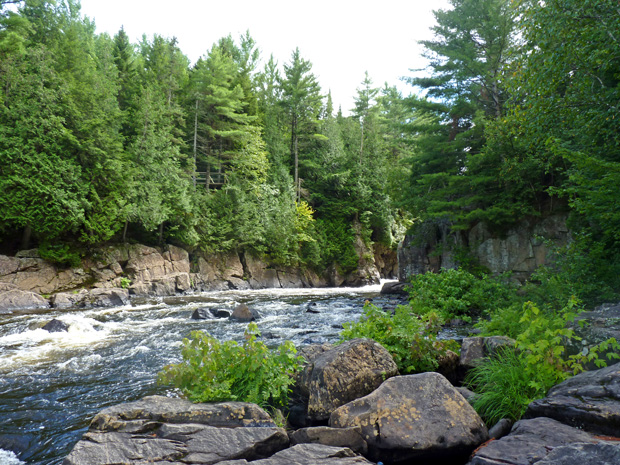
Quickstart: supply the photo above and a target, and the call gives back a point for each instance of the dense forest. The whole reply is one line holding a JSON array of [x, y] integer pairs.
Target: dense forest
[[516, 116]]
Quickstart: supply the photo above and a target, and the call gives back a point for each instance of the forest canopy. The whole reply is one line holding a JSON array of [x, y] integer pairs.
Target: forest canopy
[[516, 116]]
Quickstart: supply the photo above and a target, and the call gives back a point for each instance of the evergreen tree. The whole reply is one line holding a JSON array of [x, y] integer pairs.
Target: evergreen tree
[[301, 100], [468, 57]]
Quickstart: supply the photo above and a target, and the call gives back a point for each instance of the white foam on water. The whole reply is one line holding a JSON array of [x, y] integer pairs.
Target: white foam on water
[[9, 458]]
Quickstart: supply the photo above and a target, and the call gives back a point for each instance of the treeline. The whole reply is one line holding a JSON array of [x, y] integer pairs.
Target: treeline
[[516, 116], [105, 140], [521, 119]]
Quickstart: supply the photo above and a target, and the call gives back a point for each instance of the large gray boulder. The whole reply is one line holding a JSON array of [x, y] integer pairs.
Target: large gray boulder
[[415, 417], [590, 400], [129, 416], [529, 442], [188, 443], [12, 298], [159, 429], [308, 454], [346, 372]]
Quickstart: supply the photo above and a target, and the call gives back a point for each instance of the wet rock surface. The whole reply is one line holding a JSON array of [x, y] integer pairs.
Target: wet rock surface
[[590, 400]]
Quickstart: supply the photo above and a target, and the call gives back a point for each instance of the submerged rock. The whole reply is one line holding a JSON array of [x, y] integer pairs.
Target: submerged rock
[[202, 314], [56, 326], [243, 313]]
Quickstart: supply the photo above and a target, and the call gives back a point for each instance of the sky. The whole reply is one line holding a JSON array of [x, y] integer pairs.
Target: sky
[[341, 38]]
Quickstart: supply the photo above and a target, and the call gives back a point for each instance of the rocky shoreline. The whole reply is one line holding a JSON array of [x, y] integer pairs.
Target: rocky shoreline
[[116, 273], [357, 410]]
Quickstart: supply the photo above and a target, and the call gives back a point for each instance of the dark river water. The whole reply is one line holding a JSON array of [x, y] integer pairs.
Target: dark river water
[[52, 384]]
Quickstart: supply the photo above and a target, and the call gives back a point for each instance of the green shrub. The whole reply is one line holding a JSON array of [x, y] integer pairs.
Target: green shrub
[[502, 386], [506, 384], [457, 293], [214, 371], [60, 254], [409, 338]]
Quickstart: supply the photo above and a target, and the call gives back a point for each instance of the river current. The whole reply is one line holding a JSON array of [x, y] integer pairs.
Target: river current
[[52, 384]]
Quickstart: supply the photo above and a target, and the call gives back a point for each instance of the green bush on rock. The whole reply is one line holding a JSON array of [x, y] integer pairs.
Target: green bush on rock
[[410, 339], [214, 371], [457, 293], [506, 383]]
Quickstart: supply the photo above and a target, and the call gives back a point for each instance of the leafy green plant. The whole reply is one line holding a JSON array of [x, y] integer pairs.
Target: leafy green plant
[[60, 254], [410, 339], [507, 383], [457, 293], [214, 371], [125, 282], [502, 386]]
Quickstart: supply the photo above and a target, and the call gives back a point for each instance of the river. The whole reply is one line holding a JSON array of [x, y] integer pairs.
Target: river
[[52, 384]]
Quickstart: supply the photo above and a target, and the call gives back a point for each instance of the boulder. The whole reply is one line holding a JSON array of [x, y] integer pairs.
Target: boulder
[[131, 416], [529, 442], [113, 297], [202, 314], [415, 417], [243, 313], [221, 313], [595, 327], [308, 454], [55, 326], [394, 287], [474, 349], [603, 453], [500, 429], [341, 437], [189, 443], [12, 298], [347, 372], [260, 276], [117, 448], [64, 300], [159, 429], [590, 400]]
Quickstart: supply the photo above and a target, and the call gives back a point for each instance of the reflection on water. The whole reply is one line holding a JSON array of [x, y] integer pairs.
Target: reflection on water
[[52, 384]]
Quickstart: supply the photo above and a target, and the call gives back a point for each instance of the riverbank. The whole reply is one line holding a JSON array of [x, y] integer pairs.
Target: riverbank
[[114, 274], [52, 384]]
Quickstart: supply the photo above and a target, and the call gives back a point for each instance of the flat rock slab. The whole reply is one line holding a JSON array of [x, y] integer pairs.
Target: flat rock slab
[[129, 416], [590, 400], [123, 448], [308, 454], [339, 437], [530, 441], [414, 417], [584, 454]]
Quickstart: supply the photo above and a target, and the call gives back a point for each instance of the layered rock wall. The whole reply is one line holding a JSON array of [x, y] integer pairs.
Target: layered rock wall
[[519, 250]]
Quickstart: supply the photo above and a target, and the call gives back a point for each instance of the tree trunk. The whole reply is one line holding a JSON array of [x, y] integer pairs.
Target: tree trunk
[[26, 237], [195, 142], [125, 231], [161, 233]]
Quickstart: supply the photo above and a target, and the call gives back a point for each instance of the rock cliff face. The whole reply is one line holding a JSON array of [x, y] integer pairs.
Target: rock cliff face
[[114, 273], [520, 250]]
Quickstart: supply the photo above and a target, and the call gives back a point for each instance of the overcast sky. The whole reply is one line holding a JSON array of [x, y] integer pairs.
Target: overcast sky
[[341, 38]]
